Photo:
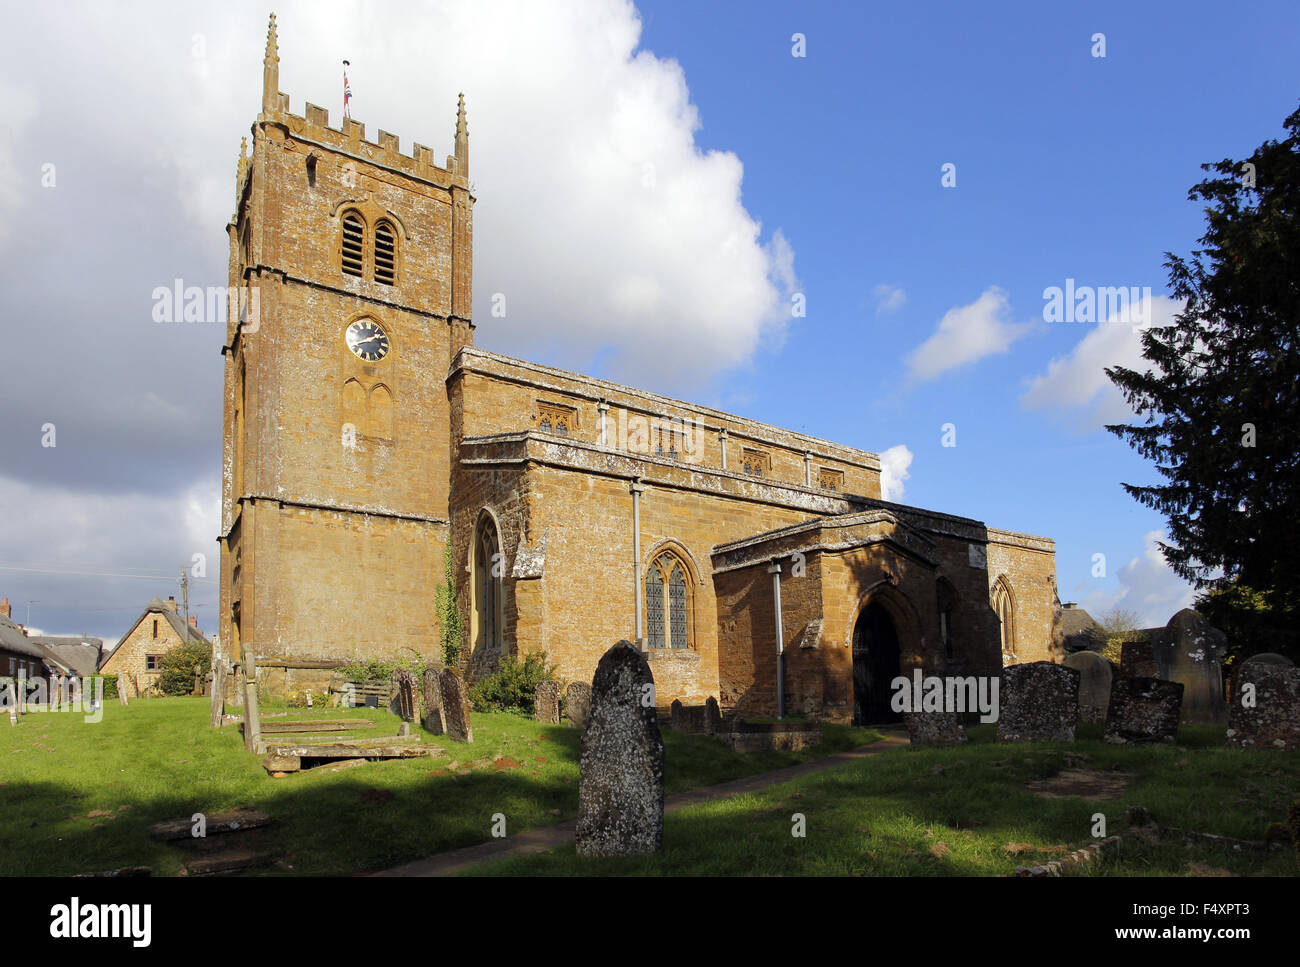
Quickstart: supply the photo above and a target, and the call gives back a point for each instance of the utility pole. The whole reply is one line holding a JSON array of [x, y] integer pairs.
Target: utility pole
[[185, 597], [30, 602]]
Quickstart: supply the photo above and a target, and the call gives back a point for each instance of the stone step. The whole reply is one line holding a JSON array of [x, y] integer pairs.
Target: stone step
[[229, 821], [229, 861], [319, 726], [288, 758]]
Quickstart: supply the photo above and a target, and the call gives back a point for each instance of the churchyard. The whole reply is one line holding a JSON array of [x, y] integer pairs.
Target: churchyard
[[1041, 792], [80, 797]]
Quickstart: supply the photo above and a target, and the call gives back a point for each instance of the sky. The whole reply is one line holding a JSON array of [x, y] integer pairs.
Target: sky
[[837, 218]]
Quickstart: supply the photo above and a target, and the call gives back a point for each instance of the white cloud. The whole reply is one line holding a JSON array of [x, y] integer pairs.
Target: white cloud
[[1147, 586], [607, 228], [893, 471], [888, 297], [1078, 382], [966, 334], [92, 561]]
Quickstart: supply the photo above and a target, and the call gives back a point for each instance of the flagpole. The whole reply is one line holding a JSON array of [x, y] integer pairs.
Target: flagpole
[[347, 92]]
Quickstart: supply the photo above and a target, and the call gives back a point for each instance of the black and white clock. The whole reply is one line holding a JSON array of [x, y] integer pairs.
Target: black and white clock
[[367, 339]]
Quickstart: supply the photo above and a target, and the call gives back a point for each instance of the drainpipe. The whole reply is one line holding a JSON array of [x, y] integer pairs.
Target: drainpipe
[[722, 441], [602, 408], [637, 489], [775, 571], [807, 469]]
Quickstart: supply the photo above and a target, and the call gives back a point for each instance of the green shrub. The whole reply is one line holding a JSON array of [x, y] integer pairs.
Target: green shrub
[[379, 670], [181, 664], [110, 685], [511, 688]]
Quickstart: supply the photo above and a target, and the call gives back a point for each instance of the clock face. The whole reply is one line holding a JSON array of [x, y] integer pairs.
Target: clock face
[[367, 339]]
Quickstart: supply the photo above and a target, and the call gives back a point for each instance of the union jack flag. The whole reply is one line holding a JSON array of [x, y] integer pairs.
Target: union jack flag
[[347, 92]]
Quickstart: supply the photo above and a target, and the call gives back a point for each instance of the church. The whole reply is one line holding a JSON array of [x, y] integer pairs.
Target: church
[[373, 454]]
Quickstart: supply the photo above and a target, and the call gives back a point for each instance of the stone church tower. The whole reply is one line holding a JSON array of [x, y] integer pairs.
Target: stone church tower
[[365, 434], [353, 264]]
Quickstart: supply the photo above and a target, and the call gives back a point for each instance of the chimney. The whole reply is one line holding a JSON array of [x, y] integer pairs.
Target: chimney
[[5, 610], [171, 601], [194, 622], [1070, 605]]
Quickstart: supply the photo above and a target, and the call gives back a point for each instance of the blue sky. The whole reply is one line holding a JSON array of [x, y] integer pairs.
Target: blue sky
[[1067, 166], [774, 176]]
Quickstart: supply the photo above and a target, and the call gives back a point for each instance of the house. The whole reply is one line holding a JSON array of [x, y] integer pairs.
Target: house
[[19, 654], [75, 656], [136, 659]]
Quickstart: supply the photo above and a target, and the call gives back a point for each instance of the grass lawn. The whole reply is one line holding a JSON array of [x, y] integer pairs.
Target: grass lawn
[[79, 797], [946, 812]]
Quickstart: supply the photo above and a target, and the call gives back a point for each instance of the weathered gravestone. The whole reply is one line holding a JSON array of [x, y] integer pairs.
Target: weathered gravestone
[[621, 785], [217, 707], [1143, 710], [701, 719], [1095, 677], [1264, 711], [1039, 703], [1190, 651], [455, 707], [1137, 659], [577, 704], [546, 703], [934, 728], [714, 714], [432, 701], [403, 701]]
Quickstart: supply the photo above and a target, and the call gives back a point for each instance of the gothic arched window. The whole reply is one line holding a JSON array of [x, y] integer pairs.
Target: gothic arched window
[[488, 569], [947, 605], [1005, 608], [352, 255], [668, 602], [385, 253]]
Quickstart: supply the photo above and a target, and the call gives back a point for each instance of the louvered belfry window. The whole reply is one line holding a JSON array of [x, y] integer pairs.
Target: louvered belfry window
[[385, 254], [354, 232]]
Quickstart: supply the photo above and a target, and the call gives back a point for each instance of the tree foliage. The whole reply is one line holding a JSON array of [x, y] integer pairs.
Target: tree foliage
[[1220, 400], [180, 665]]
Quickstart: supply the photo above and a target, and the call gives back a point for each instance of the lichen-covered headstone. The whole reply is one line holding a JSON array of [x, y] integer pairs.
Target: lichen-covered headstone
[[577, 704], [403, 701], [546, 702], [1191, 651], [1137, 659], [1264, 709], [455, 707], [934, 728], [621, 784], [1039, 702], [1143, 710], [1095, 677], [432, 701]]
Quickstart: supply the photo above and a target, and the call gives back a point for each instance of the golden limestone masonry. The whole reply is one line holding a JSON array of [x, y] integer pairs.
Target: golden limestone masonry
[[364, 433]]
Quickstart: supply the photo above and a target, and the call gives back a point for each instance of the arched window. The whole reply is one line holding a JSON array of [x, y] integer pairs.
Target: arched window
[[385, 253], [486, 588], [668, 603], [1004, 607], [379, 414], [354, 234]]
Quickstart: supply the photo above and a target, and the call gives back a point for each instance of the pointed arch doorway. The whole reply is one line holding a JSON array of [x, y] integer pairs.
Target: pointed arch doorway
[[876, 663]]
